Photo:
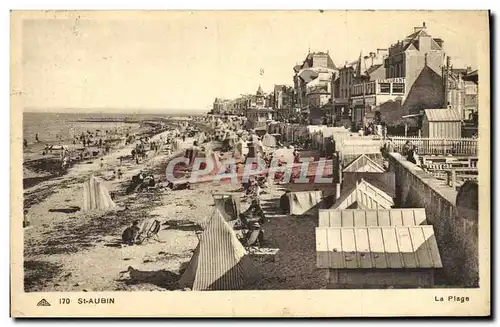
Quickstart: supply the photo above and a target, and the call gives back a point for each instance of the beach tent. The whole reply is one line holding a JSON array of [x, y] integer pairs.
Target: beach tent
[[269, 140], [213, 157], [255, 147], [228, 204], [192, 153], [96, 196], [201, 138], [220, 261], [178, 144], [302, 202]]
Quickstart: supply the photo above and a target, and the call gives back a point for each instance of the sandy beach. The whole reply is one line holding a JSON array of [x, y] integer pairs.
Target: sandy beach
[[81, 252]]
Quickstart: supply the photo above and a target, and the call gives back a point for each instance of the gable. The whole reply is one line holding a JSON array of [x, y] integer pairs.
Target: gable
[[366, 196], [426, 92], [434, 45], [364, 164]]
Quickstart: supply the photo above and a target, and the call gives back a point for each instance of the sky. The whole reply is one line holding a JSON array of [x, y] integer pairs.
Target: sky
[[160, 61]]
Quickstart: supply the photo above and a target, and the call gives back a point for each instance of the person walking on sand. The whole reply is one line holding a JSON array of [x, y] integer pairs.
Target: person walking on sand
[[36, 138]]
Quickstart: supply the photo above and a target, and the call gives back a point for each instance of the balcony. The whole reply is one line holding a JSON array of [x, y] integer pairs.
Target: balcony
[[386, 86], [318, 89]]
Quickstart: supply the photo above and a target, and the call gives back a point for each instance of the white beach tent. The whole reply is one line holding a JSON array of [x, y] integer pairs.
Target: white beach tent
[[220, 262], [96, 196]]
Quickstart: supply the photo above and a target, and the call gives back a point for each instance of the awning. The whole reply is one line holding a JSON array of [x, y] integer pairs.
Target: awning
[[412, 116]]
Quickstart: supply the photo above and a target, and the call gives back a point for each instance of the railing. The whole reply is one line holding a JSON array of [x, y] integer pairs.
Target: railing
[[461, 146], [457, 176]]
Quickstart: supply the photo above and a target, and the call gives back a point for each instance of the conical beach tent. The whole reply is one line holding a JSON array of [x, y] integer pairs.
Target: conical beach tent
[[96, 196], [220, 261]]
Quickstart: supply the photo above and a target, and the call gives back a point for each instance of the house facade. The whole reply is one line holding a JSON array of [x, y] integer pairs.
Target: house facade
[[313, 81], [413, 80]]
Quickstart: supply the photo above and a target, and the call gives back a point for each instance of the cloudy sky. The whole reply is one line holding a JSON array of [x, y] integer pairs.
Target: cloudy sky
[[183, 60]]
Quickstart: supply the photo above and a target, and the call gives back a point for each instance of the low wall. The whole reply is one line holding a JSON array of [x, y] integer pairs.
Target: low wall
[[456, 235]]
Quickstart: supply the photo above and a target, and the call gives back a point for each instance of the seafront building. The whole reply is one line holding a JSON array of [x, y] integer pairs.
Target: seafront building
[[392, 84]]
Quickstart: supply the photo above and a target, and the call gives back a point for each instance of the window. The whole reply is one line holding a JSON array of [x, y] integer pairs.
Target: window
[[398, 88], [385, 88]]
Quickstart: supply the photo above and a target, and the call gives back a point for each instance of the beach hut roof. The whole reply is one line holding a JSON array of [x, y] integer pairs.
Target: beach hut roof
[[397, 247], [435, 115], [372, 218]]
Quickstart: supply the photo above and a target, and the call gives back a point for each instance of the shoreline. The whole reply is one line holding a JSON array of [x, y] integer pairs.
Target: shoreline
[[38, 168]]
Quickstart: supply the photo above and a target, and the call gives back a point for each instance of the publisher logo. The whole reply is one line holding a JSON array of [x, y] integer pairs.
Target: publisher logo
[[43, 303]]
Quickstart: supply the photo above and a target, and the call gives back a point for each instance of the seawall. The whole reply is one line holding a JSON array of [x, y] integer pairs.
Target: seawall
[[456, 235]]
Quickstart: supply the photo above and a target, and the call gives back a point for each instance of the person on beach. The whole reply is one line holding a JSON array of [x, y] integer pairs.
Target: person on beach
[[296, 156], [36, 138], [120, 174], [129, 235], [285, 203]]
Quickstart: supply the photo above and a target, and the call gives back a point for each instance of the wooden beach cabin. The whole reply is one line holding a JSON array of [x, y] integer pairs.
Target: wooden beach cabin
[[378, 257], [441, 123]]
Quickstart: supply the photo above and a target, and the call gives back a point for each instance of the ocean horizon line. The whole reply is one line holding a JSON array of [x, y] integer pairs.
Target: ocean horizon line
[[125, 111]]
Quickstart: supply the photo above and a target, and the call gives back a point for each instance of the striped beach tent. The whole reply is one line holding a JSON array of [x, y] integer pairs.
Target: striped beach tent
[[220, 261], [96, 196]]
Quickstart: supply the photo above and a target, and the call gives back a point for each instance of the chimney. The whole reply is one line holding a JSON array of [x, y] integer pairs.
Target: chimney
[[469, 69], [446, 74], [372, 57], [423, 26]]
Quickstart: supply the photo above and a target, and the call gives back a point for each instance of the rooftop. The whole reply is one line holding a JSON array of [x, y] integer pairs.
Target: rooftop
[[377, 247], [442, 115]]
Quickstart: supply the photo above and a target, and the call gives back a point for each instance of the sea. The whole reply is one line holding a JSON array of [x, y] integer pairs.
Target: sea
[[62, 127]]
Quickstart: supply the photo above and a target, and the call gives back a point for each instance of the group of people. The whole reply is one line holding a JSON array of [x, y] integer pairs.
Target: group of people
[[409, 151]]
